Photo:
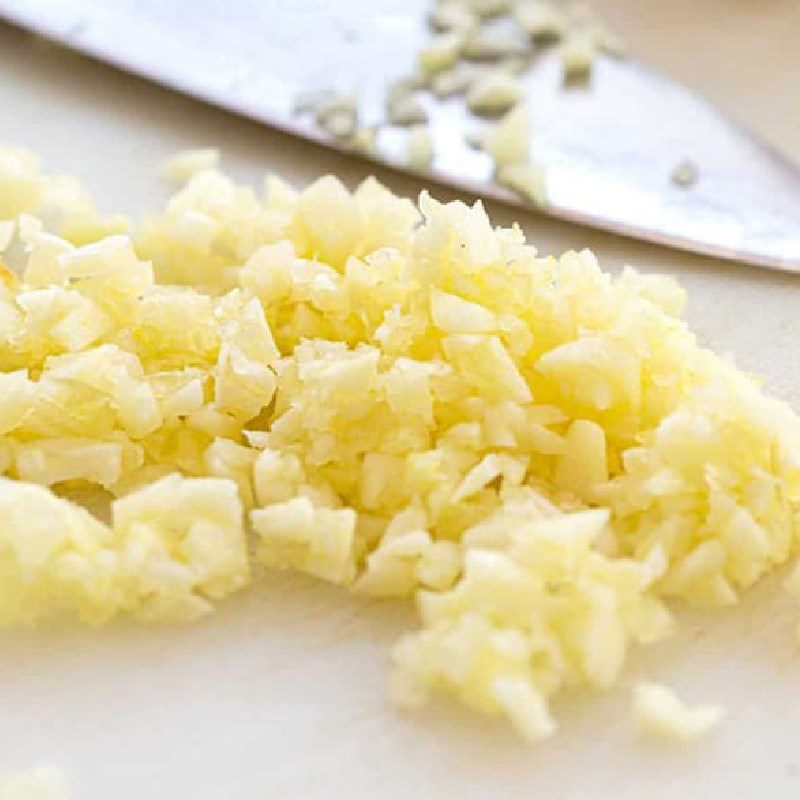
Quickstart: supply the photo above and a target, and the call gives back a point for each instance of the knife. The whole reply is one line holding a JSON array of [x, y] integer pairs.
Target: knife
[[608, 149]]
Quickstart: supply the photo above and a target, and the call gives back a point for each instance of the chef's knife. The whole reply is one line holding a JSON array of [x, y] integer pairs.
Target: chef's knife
[[608, 149]]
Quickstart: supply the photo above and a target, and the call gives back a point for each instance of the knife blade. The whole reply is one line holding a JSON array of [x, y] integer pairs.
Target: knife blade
[[608, 149]]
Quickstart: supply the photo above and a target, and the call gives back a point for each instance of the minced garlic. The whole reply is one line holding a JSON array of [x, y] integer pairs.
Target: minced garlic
[[407, 110], [578, 52], [490, 43], [451, 15], [440, 53], [527, 180], [542, 21], [658, 711], [420, 148], [188, 163], [398, 398], [508, 141], [494, 93]]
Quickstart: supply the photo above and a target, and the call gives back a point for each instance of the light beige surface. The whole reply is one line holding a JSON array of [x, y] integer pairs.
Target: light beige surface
[[282, 694]]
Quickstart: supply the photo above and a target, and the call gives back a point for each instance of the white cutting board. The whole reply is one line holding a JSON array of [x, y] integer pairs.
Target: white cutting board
[[282, 693]]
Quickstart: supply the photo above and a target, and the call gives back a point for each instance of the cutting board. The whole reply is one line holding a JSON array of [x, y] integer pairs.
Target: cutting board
[[282, 693]]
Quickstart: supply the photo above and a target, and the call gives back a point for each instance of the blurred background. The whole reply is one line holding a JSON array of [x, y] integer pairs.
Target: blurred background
[[743, 55]]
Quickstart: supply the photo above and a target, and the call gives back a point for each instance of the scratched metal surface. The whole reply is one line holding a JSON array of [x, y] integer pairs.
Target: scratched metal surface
[[608, 149]]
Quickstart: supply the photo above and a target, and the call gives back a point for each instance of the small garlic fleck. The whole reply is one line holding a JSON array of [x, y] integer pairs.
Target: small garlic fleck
[[340, 124], [309, 101], [451, 17], [577, 56], [407, 111], [183, 166], [403, 87], [336, 103], [489, 8], [527, 180], [364, 140], [440, 53], [685, 175], [456, 80], [542, 21], [490, 42], [658, 711], [494, 93], [514, 64], [508, 141], [420, 148]]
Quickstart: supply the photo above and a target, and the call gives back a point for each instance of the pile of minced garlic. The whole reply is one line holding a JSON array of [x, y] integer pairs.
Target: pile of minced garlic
[[399, 399]]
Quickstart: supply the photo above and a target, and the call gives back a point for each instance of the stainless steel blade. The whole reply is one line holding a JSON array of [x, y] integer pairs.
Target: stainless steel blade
[[608, 150]]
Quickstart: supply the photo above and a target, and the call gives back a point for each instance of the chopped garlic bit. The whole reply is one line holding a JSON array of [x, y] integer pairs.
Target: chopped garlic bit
[[488, 8], [364, 140], [451, 16], [309, 101], [508, 141], [337, 113], [491, 42], [440, 53], [7, 230], [420, 148], [317, 540], [407, 111], [180, 168], [525, 708], [340, 124], [455, 80], [336, 102], [494, 93], [527, 180], [658, 711], [685, 175], [514, 64], [404, 87], [578, 52], [542, 21]]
